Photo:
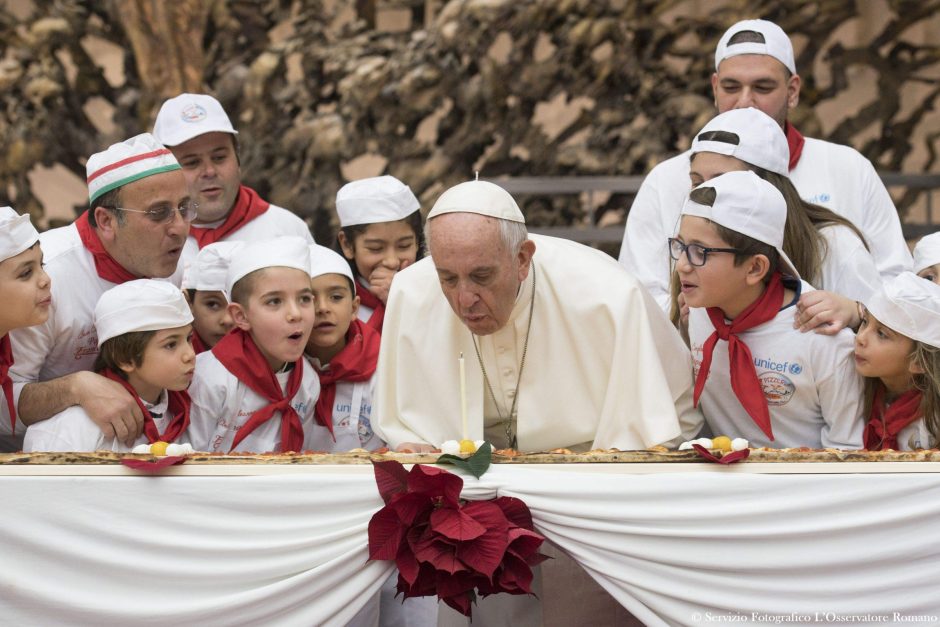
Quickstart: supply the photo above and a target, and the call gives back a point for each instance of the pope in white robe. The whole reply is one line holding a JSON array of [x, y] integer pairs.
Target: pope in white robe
[[601, 366]]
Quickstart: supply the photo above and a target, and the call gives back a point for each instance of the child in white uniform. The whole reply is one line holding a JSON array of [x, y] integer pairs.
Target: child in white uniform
[[25, 288], [144, 330], [757, 376], [927, 258], [380, 235], [897, 350], [254, 391], [204, 284], [344, 351]]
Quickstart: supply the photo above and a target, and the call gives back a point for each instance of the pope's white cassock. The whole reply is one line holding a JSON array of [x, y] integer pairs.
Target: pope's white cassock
[[604, 368]]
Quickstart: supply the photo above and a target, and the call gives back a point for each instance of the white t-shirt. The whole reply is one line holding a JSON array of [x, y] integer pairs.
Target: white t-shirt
[[916, 436], [222, 404], [812, 389], [848, 268], [275, 222], [73, 430], [834, 176], [352, 430]]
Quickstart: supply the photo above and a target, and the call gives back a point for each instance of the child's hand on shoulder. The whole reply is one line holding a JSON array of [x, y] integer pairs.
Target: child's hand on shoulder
[[825, 313]]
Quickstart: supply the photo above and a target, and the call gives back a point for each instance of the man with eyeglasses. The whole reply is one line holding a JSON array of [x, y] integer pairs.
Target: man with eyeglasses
[[136, 225], [198, 131]]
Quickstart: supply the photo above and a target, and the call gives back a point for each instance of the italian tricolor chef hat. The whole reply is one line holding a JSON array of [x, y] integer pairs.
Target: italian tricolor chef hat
[[746, 203], [757, 139], [375, 199], [280, 252], [140, 305], [125, 162], [16, 233], [210, 269], [909, 305]]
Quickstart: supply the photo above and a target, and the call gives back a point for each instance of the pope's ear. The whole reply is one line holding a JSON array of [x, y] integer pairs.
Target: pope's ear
[[524, 256]]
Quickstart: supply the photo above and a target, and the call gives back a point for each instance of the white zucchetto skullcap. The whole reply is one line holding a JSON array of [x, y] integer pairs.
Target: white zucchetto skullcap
[[776, 43], [376, 199], [927, 252], [480, 197], [326, 261], [16, 233], [280, 252], [190, 115], [761, 141], [910, 306], [210, 268], [125, 162], [140, 305]]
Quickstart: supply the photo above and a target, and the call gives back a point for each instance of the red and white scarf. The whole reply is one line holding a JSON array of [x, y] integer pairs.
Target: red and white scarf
[[107, 266], [884, 424], [356, 362], [248, 206], [795, 141], [744, 379], [178, 405], [372, 301], [240, 355]]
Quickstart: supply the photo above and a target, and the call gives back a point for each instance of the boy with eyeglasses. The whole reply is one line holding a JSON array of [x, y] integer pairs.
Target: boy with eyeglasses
[[756, 376], [135, 227]]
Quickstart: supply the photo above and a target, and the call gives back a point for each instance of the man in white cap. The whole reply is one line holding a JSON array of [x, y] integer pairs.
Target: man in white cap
[[754, 67], [198, 131], [135, 227], [563, 348]]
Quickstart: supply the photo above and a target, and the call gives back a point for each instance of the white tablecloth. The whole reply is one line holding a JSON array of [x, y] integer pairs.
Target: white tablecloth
[[675, 549]]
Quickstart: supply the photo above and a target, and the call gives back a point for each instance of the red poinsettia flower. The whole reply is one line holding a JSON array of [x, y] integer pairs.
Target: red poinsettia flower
[[447, 547]]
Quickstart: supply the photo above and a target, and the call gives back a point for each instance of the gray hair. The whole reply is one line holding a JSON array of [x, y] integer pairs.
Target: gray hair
[[511, 234]]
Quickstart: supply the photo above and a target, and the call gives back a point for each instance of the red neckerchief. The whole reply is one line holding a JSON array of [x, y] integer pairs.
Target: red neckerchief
[[248, 206], [178, 405], [108, 268], [795, 141], [242, 357], [883, 427], [356, 362], [369, 299], [6, 360], [199, 346], [744, 380]]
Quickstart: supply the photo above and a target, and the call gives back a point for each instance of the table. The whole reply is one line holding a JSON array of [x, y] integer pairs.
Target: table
[[675, 544]]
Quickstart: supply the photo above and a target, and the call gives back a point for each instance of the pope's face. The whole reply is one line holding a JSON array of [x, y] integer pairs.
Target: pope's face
[[479, 276]]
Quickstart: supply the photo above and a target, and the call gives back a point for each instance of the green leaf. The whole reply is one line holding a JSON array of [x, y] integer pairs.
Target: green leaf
[[476, 464]]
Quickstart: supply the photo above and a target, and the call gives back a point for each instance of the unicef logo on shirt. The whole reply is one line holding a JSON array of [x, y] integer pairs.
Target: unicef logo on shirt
[[778, 389], [193, 113], [796, 368], [819, 199]]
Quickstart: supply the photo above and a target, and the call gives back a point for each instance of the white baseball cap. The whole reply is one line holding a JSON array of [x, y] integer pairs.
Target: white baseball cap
[[16, 233], [326, 261], [280, 252], [190, 115], [776, 43], [375, 199], [140, 305], [909, 305], [208, 271], [927, 252], [125, 162], [746, 203], [760, 140], [480, 197]]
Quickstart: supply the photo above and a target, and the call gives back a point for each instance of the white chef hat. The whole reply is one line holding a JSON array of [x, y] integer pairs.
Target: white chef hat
[[326, 261], [760, 140], [16, 233], [909, 305], [140, 305], [375, 199], [209, 270], [125, 162], [776, 43], [280, 252], [481, 197], [190, 115], [927, 252], [746, 203]]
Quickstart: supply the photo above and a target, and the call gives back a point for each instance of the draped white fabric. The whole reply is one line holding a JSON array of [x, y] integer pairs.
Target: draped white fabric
[[674, 549]]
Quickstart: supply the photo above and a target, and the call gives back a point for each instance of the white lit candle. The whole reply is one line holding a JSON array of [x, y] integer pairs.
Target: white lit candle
[[463, 397]]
